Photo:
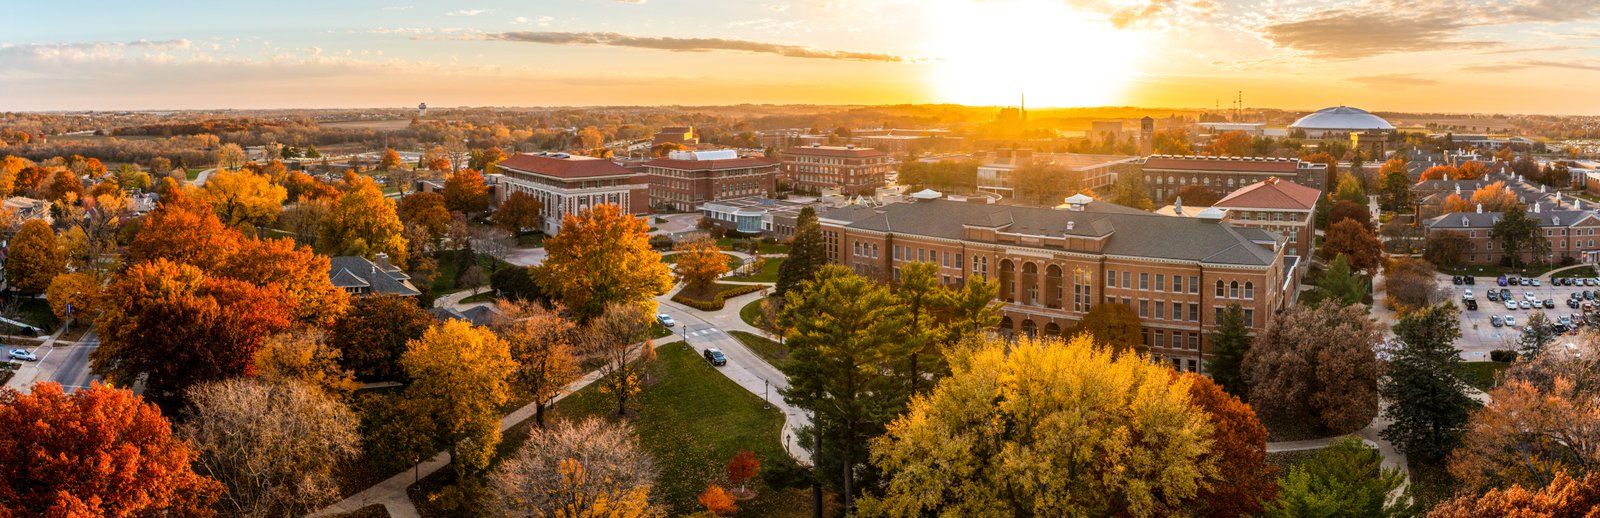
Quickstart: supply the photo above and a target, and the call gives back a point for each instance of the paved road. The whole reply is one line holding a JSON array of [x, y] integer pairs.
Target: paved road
[[71, 364], [200, 179]]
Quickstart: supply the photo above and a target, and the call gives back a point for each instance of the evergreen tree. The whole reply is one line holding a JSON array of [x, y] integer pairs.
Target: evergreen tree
[[919, 291], [806, 255], [1341, 284], [1229, 343], [1428, 404], [1396, 191], [1536, 334], [1518, 233]]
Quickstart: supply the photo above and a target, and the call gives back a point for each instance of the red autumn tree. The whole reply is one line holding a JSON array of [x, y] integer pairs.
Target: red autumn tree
[[466, 192], [742, 468], [717, 501], [177, 326], [1244, 481], [1441, 172], [1563, 497], [302, 276], [182, 229], [97, 452], [1356, 242]]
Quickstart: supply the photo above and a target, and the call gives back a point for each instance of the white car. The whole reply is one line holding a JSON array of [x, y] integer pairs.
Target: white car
[[1536, 283], [1511, 304], [1529, 295], [24, 355], [1466, 294], [666, 320], [1511, 321]]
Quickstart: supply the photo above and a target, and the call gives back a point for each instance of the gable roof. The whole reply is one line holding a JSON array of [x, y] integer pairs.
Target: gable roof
[[564, 166], [1272, 193], [353, 271]]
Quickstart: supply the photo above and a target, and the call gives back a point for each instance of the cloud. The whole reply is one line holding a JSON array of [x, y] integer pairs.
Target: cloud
[[99, 51], [1123, 15], [1365, 28], [1509, 66], [468, 12], [1551, 48], [519, 20], [1394, 80], [778, 8], [612, 39]]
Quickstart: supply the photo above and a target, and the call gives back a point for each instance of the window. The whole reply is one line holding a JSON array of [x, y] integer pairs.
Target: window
[[1111, 300], [897, 254], [1161, 282], [1177, 340], [1192, 366], [1144, 308], [1127, 279], [1161, 338], [1250, 317], [1194, 285], [1194, 341], [1127, 302], [1177, 284], [1249, 290], [1233, 290], [1111, 278], [1144, 281], [858, 248], [1219, 288], [957, 262], [1161, 310], [1194, 312], [1218, 316]]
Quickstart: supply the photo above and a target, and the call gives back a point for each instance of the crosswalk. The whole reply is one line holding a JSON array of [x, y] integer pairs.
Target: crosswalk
[[695, 333]]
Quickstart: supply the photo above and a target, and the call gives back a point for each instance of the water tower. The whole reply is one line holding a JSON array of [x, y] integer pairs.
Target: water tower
[[422, 109]]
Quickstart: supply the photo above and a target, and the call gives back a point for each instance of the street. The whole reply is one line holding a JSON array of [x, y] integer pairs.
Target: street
[[59, 362]]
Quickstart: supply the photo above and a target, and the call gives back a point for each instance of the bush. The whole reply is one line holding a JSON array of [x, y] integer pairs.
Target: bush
[[786, 475], [716, 301], [1503, 355], [517, 283], [1568, 260], [660, 242]]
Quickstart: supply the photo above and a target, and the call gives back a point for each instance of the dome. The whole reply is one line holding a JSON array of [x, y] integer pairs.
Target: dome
[[1342, 118]]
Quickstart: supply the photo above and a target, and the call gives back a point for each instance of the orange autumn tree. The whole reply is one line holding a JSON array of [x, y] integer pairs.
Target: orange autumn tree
[[300, 274], [1564, 496], [717, 501], [390, 159], [97, 452], [1244, 481], [602, 256], [742, 468], [182, 229], [1454, 203], [1494, 197], [699, 264], [466, 192], [1472, 170], [1356, 242], [1441, 172]]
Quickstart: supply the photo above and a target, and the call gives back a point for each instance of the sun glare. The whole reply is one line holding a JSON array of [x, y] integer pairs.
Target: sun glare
[[990, 53]]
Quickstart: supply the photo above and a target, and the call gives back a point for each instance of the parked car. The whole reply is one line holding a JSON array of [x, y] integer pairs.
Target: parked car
[[715, 357], [1588, 295], [1525, 305], [1456, 279], [666, 319], [1470, 280], [1472, 305], [1505, 293], [1564, 320], [1501, 280], [1572, 303], [1528, 295], [1495, 320], [1466, 294], [24, 355], [1494, 296], [1511, 320], [1560, 328], [1549, 303], [1511, 304], [1535, 282], [1515, 281]]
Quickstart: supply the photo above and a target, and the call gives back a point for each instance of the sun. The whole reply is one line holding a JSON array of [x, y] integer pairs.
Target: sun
[[992, 52]]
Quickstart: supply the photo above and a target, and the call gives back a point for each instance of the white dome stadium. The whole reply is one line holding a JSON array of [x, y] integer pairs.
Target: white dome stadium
[[1340, 119]]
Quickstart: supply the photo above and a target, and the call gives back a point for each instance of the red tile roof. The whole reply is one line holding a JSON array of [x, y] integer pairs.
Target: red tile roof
[[1226, 164], [852, 152], [708, 165], [570, 167], [1272, 193]]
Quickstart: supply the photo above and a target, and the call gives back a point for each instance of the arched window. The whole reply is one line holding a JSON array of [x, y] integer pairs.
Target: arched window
[[1249, 290], [1233, 290], [1219, 287]]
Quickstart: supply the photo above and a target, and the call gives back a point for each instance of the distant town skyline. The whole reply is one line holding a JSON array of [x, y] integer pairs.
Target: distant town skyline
[[1463, 56]]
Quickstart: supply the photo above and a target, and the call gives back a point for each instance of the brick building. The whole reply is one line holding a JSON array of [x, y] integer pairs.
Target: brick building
[[1164, 175], [1088, 171], [854, 169], [1278, 206], [686, 179], [1054, 265], [1572, 233], [568, 184]]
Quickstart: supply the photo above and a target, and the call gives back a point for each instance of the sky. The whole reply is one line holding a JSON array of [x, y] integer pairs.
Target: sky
[[1457, 56]]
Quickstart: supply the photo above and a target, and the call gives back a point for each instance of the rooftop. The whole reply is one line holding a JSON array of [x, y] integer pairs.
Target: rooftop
[[562, 165], [838, 151], [1223, 163], [377, 278], [1342, 118], [1271, 193]]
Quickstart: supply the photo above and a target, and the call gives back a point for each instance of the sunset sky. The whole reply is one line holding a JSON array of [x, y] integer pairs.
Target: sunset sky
[[1514, 56]]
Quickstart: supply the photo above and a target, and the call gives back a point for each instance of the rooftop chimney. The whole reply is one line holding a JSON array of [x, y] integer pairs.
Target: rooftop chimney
[[1177, 206], [1480, 208]]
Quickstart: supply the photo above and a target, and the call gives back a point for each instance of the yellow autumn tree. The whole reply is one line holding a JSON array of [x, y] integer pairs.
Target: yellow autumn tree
[[78, 289], [461, 377], [700, 263], [243, 197], [363, 222], [33, 258], [601, 256], [1046, 428]]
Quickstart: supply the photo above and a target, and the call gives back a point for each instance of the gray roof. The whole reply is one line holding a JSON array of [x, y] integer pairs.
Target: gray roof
[[1128, 231], [351, 271], [1479, 220], [1342, 118], [480, 315]]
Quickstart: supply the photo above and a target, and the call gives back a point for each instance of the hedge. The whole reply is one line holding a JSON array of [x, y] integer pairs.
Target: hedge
[[716, 301]]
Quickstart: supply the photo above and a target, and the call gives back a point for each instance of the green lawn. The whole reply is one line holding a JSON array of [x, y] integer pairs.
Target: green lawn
[[729, 243], [659, 331], [773, 352], [194, 172], [733, 262], [768, 273], [34, 311], [530, 240], [1584, 271], [692, 420], [487, 296], [1481, 374], [751, 313], [444, 281]]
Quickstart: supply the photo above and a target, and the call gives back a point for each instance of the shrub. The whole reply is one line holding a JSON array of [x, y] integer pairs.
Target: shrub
[[716, 301], [1503, 355]]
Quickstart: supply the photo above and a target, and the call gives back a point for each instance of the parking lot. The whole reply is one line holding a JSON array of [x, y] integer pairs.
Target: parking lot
[[1479, 335]]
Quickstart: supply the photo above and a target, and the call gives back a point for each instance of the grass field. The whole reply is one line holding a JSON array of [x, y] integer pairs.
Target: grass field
[[487, 296], [773, 352], [1481, 374], [1582, 271], [733, 262], [729, 243], [751, 313], [34, 311], [768, 273], [449, 267], [691, 420]]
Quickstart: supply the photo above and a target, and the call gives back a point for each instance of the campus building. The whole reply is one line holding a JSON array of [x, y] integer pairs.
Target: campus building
[[1055, 264], [996, 173], [1339, 122], [1274, 205], [1165, 175], [1573, 233], [686, 179], [683, 135], [569, 184], [853, 169]]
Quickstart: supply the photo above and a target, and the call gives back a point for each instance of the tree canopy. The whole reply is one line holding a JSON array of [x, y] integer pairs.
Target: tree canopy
[[601, 256]]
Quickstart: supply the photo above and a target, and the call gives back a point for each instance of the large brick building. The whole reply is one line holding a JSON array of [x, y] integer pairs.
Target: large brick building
[[1278, 206], [1054, 265], [1165, 175], [854, 169], [1084, 170], [568, 184], [686, 179], [1572, 233]]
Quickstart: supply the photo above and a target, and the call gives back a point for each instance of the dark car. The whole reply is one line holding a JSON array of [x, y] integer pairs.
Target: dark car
[[1456, 279], [1588, 295], [715, 357], [1572, 303], [1494, 296], [1472, 305], [1561, 328], [1549, 303], [1471, 281], [1495, 320], [1514, 281], [1505, 293]]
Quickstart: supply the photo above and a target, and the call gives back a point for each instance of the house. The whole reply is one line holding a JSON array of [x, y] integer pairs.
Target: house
[[360, 277], [23, 209]]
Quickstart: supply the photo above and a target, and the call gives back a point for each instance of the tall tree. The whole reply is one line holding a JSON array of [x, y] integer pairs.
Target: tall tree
[[519, 211], [304, 356], [1115, 325], [1129, 191], [460, 379], [591, 468], [1345, 479], [1537, 333], [1444, 249], [1344, 210], [1519, 234], [363, 222], [615, 337], [1396, 186], [78, 291], [1316, 365], [274, 445], [175, 327], [96, 452], [485, 159], [373, 334], [807, 253], [846, 331], [542, 344], [1495, 197], [427, 211], [993, 437], [1409, 283], [32, 259], [1356, 242], [243, 198], [699, 264], [973, 309], [1428, 404], [466, 193], [1541, 421], [390, 159], [1230, 342], [182, 229], [920, 293], [602, 256], [298, 273], [1243, 482]]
